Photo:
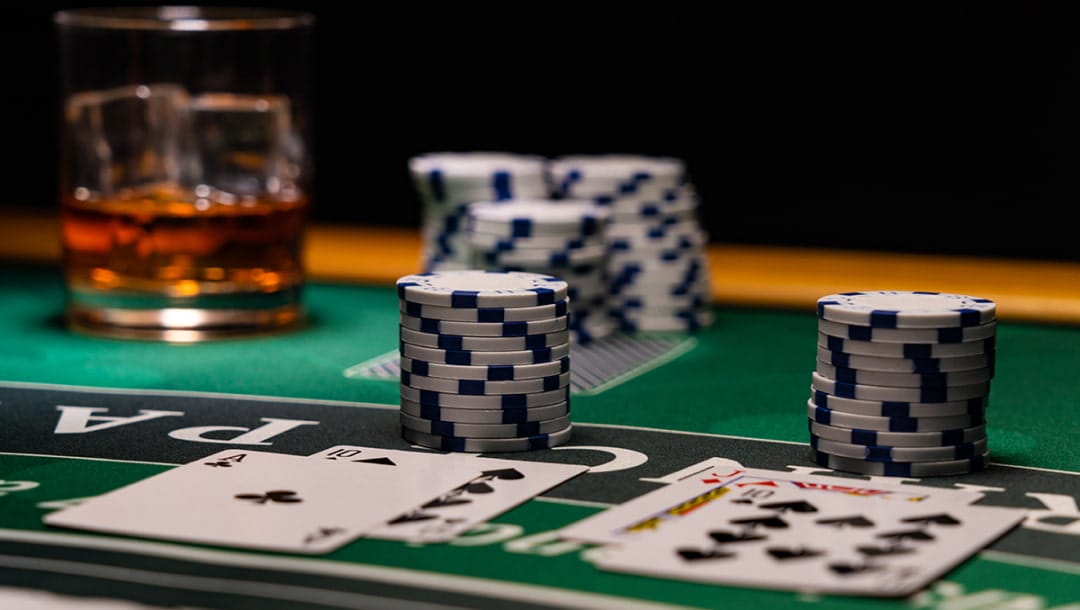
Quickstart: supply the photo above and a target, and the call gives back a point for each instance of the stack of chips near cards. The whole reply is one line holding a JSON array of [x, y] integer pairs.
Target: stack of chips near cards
[[485, 360], [448, 182], [657, 269], [553, 237], [902, 383]]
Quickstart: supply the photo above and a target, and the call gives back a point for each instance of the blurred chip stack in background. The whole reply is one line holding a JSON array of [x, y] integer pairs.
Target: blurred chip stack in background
[[657, 270], [563, 238], [448, 182]]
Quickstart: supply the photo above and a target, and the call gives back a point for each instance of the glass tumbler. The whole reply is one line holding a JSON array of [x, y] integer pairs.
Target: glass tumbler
[[185, 169]]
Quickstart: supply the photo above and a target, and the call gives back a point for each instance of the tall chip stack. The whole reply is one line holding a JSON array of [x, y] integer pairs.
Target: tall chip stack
[[485, 360], [448, 182], [658, 275], [902, 383], [566, 239]]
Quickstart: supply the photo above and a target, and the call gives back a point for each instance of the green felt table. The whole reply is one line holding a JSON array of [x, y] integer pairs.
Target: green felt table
[[737, 390]]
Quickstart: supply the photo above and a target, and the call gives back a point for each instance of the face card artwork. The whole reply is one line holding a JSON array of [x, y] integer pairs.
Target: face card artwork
[[490, 487], [665, 505], [816, 542], [249, 499]]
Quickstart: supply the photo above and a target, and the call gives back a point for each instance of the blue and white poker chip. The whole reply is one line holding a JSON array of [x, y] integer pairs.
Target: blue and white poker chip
[[494, 372], [895, 408], [476, 431], [681, 202], [914, 351], [483, 329], [681, 263], [487, 315], [901, 469], [482, 344], [548, 259], [655, 216], [606, 192], [487, 242], [643, 305], [487, 445], [617, 166], [485, 416], [952, 334], [595, 273], [822, 415], [657, 293], [613, 176], [590, 325], [860, 436], [689, 321], [922, 394], [475, 176], [906, 380], [664, 235], [661, 244], [480, 165], [478, 387], [540, 217], [478, 288], [905, 365], [485, 358], [693, 281], [885, 453], [562, 213], [500, 401], [906, 309]]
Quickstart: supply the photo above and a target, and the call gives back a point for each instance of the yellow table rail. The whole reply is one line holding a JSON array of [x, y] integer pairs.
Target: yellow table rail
[[773, 276]]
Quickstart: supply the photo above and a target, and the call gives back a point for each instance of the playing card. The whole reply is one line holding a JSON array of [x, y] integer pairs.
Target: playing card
[[653, 511], [815, 542], [253, 499], [465, 490]]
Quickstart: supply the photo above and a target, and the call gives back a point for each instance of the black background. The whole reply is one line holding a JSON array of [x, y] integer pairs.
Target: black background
[[908, 127]]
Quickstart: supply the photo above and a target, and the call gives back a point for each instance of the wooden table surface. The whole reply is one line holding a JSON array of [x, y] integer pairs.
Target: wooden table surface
[[771, 276]]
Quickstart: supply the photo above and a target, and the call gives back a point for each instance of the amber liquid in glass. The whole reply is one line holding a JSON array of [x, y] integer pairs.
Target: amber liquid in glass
[[168, 264]]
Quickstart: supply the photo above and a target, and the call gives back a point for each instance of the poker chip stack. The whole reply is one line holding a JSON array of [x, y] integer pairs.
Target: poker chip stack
[[562, 238], [658, 276], [902, 383], [448, 182], [485, 360]]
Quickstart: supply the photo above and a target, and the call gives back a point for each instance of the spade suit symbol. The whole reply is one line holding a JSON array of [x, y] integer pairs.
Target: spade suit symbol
[[382, 461], [798, 506], [937, 519], [689, 554], [724, 537], [770, 522], [887, 551], [850, 569], [841, 522], [901, 535]]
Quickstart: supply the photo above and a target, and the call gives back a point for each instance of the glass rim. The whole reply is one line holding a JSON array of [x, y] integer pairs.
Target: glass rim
[[182, 18]]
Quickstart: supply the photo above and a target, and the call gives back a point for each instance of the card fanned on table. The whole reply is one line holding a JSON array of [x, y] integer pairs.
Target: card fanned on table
[[278, 502], [785, 530], [492, 487]]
